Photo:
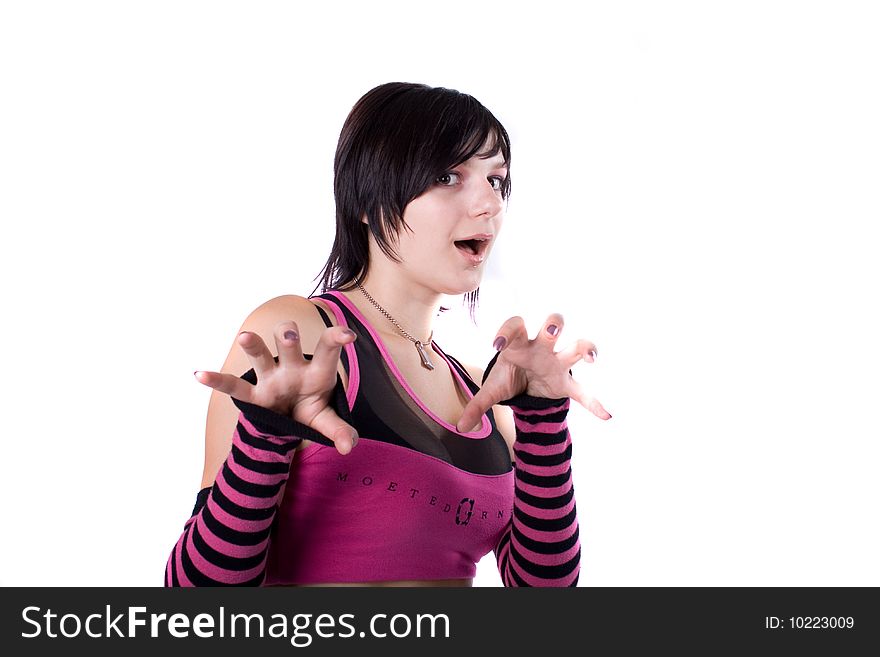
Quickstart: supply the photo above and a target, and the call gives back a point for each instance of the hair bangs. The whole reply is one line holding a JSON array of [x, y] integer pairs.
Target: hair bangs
[[468, 129]]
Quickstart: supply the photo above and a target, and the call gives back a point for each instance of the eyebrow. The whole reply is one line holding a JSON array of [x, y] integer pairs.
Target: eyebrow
[[495, 165]]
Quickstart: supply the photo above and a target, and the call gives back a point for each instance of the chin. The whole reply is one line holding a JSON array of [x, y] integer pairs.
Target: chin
[[461, 290], [465, 281]]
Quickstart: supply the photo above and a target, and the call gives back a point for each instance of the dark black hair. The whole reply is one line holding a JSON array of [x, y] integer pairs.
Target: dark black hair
[[397, 139]]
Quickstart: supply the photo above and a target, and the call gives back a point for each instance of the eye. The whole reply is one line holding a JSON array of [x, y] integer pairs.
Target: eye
[[497, 182], [448, 179]]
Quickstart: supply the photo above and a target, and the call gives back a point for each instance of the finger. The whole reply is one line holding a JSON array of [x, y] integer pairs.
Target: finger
[[226, 383], [257, 352], [580, 350], [590, 403], [343, 435], [512, 333], [472, 416], [287, 341], [550, 331], [327, 351]]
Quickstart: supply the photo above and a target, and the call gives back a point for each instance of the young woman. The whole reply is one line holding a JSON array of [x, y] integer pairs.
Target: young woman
[[363, 453]]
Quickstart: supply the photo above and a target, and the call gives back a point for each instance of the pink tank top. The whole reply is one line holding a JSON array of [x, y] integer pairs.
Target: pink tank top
[[414, 500]]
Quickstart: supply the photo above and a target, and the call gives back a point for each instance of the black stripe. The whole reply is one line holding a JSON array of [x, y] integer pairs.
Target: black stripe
[[523, 456], [193, 574], [198, 578], [262, 443], [558, 416], [517, 580], [541, 547], [544, 502], [263, 467], [234, 536], [546, 572], [541, 439], [238, 511], [543, 482], [175, 580], [201, 500], [274, 424], [503, 562], [545, 524], [263, 491], [224, 560]]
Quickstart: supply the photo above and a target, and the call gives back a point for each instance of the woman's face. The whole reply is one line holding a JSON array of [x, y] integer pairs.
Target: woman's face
[[463, 202]]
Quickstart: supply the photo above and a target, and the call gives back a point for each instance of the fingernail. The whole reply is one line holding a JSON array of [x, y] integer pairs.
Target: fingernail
[[348, 332], [593, 354], [196, 373], [290, 334], [552, 329], [499, 343]]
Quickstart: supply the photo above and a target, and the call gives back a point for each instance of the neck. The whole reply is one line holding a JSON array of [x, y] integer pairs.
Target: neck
[[412, 306]]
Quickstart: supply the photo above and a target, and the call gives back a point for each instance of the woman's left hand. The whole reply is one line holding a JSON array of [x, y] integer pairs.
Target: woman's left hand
[[532, 367]]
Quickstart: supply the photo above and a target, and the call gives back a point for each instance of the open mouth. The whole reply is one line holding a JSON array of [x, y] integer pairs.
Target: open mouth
[[474, 247]]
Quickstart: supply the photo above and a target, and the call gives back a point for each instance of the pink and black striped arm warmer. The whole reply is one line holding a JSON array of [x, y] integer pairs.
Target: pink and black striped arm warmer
[[541, 546], [226, 540]]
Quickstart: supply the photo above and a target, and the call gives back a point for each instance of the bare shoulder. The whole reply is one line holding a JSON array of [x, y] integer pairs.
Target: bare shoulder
[[265, 318], [503, 414], [222, 413]]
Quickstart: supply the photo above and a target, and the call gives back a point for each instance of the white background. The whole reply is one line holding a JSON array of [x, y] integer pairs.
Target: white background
[[696, 184]]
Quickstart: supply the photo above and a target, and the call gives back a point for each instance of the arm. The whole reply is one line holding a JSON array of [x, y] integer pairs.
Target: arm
[[540, 546], [226, 540]]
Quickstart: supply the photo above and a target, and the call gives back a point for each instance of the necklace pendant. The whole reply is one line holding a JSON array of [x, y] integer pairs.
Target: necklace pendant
[[426, 362]]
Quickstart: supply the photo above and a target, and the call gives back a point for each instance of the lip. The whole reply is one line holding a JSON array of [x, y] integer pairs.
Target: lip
[[476, 236]]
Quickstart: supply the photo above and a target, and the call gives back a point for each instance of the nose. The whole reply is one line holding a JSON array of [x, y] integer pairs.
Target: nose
[[485, 201]]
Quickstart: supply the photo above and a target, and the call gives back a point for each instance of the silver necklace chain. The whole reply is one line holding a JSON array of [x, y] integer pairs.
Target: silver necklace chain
[[426, 362]]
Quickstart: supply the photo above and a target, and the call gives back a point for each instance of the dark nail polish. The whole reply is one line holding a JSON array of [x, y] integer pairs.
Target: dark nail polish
[[290, 334], [552, 329], [499, 343]]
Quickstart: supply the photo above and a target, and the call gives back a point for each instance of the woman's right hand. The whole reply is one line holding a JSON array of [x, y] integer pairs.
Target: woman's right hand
[[293, 386]]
